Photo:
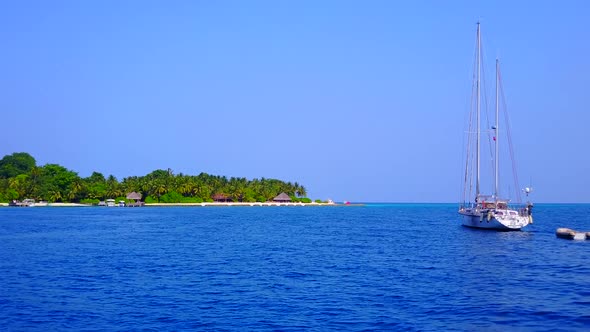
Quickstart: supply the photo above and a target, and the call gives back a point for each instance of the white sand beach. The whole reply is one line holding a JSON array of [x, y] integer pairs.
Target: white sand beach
[[44, 204], [63, 204], [241, 204]]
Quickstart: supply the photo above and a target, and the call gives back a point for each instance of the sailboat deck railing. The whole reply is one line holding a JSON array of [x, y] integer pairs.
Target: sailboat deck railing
[[520, 209]]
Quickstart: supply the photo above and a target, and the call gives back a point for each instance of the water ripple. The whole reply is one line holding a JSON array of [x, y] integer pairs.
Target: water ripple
[[381, 267]]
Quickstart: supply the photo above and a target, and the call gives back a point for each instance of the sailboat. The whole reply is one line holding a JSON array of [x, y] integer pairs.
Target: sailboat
[[489, 211]]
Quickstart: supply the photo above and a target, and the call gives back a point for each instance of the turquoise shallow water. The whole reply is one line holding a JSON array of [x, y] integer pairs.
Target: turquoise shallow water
[[375, 267]]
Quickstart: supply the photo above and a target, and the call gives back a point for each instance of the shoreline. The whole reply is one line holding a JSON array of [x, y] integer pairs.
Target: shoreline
[[205, 204], [50, 205]]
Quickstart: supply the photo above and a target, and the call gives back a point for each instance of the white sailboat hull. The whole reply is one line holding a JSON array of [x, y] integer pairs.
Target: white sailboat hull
[[489, 220]]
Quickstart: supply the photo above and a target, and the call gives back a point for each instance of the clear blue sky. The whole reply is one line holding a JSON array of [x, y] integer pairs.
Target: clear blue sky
[[357, 100]]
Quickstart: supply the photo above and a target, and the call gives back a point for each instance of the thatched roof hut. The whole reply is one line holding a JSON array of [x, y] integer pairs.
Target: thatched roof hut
[[134, 196], [220, 198], [282, 197]]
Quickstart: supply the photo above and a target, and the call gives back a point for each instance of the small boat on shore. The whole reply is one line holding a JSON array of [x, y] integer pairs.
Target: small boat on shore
[[25, 203]]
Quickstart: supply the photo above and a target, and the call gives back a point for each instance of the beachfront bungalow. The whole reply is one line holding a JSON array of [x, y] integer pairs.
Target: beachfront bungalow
[[136, 197], [282, 198], [220, 198]]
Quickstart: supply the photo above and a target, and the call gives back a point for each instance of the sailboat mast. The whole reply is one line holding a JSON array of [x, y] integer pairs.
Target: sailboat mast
[[478, 111], [496, 168]]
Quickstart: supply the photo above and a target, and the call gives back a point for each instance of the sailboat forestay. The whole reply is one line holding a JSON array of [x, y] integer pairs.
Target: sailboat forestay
[[489, 211]]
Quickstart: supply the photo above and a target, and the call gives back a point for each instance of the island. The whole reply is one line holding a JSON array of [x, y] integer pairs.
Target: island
[[22, 183]]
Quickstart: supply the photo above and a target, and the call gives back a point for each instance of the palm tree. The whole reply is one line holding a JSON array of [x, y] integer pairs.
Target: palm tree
[[35, 178], [75, 188], [112, 187], [145, 185], [55, 195], [300, 190], [70, 194], [19, 184], [187, 186], [159, 188], [113, 192], [130, 184], [236, 188], [77, 185], [202, 190]]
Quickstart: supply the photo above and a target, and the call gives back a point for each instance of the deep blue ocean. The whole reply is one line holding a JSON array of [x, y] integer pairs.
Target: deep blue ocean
[[374, 267]]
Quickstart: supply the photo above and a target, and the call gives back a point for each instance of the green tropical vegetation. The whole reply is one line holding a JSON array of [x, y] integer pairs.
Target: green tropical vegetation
[[21, 178]]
